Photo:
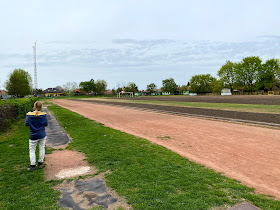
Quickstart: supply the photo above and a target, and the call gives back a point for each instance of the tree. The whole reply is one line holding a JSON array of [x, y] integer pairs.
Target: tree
[[114, 92], [203, 83], [40, 91], [217, 85], [119, 89], [227, 74], [183, 89], [19, 83], [131, 87], [69, 88], [59, 88], [151, 88], [101, 86], [246, 72], [169, 85], [267, 75], [88, 86]]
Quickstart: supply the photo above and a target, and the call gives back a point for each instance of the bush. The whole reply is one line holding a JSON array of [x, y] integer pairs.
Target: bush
[[14, 109]]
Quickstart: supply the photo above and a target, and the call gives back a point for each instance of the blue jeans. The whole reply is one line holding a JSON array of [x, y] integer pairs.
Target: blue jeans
[[32, 150]]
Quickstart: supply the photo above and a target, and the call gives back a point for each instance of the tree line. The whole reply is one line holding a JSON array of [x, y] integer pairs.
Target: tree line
[[250, 74]]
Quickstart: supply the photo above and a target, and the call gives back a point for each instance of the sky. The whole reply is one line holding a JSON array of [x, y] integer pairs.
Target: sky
[[140, 41]]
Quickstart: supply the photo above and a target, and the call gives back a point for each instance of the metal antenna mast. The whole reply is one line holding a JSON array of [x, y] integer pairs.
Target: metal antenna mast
[[35, 68]]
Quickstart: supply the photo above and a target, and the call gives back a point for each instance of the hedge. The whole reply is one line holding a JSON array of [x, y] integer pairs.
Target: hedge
[[13, 110]]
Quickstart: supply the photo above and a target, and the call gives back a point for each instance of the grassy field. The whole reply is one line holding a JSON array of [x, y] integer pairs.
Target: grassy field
[[256, 108], [19, 188], [151, 176]]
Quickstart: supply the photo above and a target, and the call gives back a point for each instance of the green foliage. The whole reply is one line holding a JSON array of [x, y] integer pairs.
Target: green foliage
[[19, 83], [151, 88], [183, 89], [131, 87], [22, 189], [151, 176], [101, 86], [119, 89], [203, 83], [88, 86], [14, 109], [250, 74], [114, 92], [227, 74], [217, 86], [267, 75], [246, 72], [169, 85]]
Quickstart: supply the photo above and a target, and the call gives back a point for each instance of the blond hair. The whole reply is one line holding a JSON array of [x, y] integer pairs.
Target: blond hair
[[37, 107]]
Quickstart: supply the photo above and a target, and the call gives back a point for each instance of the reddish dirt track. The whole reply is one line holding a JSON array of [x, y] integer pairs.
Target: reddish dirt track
[[246, 153]]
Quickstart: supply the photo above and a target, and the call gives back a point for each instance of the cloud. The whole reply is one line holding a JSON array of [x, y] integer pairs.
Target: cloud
[[58, 42], [128, 53]]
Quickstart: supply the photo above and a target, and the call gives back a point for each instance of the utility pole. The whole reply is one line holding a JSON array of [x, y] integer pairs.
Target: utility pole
[[35, 69]]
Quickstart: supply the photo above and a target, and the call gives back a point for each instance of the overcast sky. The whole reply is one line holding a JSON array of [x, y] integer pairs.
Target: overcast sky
[[141, 41]]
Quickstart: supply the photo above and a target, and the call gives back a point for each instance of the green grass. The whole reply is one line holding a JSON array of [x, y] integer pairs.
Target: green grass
[[19, 188], [164, 138], [151, 176], [259, 108]]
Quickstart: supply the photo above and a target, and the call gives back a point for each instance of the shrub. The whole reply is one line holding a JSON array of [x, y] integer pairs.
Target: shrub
[[14, 109]]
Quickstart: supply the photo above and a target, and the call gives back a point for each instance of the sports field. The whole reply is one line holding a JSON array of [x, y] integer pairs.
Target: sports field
[[244, 152], [261, 110]]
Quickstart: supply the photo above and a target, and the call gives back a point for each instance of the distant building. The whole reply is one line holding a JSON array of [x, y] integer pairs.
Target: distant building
[[50, 92], [108, 92], [3, 92], [77, 92]]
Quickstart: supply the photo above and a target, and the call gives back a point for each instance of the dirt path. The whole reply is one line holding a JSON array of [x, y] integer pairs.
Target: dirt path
[[246, 153]]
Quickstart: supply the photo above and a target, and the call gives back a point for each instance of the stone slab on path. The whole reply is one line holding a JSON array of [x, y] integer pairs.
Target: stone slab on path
[[56, 136], [85, 194]]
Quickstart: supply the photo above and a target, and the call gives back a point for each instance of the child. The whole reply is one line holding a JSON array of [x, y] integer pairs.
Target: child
[[36, 121]]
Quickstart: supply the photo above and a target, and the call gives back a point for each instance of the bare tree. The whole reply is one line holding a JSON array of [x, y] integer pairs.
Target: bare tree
[[70, 87]]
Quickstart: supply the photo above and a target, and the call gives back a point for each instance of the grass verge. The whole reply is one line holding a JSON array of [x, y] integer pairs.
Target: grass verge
[[256, 108], [19, 188], [151, 176]]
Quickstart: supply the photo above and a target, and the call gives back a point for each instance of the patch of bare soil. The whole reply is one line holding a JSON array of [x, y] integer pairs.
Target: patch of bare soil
[[246, 153], [64, 164]]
